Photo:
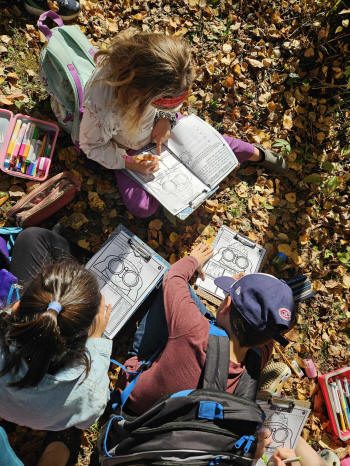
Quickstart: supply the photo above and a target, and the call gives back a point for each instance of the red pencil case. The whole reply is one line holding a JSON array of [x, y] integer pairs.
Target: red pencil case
[[51, 130], [325, 381]]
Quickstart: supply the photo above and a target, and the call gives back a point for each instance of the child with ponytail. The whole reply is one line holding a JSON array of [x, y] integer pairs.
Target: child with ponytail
[[53, 359], [131, 100]]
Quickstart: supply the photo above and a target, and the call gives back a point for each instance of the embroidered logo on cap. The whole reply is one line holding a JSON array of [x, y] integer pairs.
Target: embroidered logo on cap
[[238, 290], [284, 313]]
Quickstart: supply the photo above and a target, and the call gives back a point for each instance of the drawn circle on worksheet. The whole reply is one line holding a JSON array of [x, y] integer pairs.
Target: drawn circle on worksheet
[[228, 255], [242, 262], [130, 278], [116, 266], [180, 179], [169, 186], [280, 435]]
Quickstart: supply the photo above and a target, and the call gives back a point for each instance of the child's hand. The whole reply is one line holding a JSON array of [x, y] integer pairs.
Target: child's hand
[[146, 164], [161, 132], [202, 252], [282, 454], [101, 320]]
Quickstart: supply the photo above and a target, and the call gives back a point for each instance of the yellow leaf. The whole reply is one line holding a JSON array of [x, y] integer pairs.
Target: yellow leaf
[[173, 237], [346, 281], [287, 121], [237, 69], [83, 243], [304, 238], [291, 197]]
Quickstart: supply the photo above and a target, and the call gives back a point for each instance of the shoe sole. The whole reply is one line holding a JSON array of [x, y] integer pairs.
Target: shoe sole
[[37, 12]]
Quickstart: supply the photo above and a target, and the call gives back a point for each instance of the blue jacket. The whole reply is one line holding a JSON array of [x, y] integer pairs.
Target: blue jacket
[[62, 400]]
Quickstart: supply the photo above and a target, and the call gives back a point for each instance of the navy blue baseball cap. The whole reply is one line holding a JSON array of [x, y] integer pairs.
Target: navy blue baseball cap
[[264, 301]]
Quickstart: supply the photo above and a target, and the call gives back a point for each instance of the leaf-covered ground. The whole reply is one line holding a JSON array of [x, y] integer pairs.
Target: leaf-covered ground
[[270, 72]]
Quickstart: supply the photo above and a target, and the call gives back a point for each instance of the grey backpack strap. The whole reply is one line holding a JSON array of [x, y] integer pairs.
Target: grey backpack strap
[[217, 360], [247, 386]]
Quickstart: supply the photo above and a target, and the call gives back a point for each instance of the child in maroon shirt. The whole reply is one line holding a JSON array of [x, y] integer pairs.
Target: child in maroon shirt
[[251, 317]]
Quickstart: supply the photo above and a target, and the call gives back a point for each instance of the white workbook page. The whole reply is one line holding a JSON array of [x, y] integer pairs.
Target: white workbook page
[[232, 254], [126, 273], [202, 149], [175, 187]]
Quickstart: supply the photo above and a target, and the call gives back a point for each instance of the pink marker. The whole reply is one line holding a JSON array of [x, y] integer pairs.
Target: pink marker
[[42, 165], [24, 140]]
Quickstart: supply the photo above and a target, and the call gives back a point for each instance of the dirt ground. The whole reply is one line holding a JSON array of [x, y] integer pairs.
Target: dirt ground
[[271, 72]]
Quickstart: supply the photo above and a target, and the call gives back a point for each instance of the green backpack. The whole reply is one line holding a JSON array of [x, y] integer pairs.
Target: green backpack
[[66, 64]]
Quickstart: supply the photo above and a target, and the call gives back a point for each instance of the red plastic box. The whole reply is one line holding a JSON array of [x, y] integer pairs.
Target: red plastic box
[[45, 126], [324, 381]]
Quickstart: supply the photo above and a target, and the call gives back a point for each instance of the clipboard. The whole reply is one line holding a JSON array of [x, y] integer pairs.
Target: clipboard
[[285, 418], [127, 271], [233, 253]]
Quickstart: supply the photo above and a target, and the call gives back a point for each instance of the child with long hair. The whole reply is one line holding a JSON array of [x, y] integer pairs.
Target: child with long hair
[[53, 359], [131, 100]]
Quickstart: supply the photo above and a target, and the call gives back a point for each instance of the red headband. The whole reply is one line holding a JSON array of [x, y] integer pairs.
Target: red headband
[[170, 102]]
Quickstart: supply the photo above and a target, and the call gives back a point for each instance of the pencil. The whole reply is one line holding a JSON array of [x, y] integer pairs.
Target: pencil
[[286, 360]]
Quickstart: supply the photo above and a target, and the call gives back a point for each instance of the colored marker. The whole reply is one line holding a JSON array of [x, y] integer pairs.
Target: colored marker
[[24, 140], [337, 406], [343, 403], [43, 146], [32, 144], [42, 165], [19, 140], [13, 138], [29, 138]]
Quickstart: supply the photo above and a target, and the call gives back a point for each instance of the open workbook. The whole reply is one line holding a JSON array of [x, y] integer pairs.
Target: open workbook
[[233, 254], [193, 162], [127, 271]]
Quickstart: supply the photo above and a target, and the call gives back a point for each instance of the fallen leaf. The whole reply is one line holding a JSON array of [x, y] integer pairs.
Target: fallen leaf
[[291, 197], [254, 63]]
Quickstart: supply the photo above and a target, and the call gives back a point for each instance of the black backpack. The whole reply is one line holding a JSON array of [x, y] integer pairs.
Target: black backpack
[[204, 426]]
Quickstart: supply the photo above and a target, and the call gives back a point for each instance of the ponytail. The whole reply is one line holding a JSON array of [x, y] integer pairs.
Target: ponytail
[[46, 339]]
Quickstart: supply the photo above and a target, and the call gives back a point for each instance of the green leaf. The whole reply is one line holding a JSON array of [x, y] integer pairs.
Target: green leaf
[[314, 178]]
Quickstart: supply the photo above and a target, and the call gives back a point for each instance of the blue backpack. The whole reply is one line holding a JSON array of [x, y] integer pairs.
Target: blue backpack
[[66, 64]]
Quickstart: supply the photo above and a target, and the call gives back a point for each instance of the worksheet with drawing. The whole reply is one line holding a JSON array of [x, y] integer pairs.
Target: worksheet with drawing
[[194, 160], [285, 426], [173, 184], [233, 254], [127, 272]]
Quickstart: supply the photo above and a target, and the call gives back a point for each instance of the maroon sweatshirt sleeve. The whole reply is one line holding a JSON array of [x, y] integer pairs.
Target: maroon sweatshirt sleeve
[[181, 312]]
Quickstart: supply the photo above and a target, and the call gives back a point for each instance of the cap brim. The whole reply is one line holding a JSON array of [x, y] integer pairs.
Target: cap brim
[[281, 340], [224, 283]]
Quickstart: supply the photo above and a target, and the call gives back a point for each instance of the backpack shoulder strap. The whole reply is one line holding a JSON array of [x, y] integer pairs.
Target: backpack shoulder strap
[[247, 386], [217, 360]]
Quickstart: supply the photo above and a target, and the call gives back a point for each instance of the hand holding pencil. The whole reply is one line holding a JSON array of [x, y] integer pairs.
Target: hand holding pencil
[[284, 456]]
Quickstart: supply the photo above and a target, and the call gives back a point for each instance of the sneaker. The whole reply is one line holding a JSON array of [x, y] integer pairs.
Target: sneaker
[[67, 9], [272, 377], [329, 457]]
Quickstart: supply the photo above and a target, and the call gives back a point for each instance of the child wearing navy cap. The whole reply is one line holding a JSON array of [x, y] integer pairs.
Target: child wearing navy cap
[[257, 310]]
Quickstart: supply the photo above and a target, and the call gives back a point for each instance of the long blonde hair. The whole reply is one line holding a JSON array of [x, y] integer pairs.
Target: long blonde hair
[[143, 67]]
